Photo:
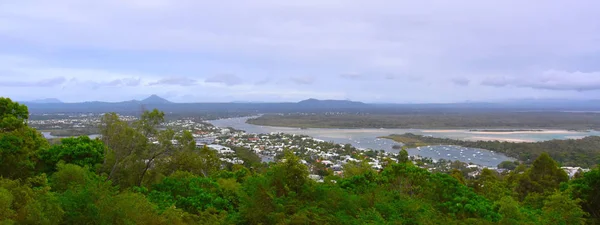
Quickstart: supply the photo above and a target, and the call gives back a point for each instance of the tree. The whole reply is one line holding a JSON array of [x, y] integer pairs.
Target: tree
[[403, 156], [125, 146], [559, 208], [32, 201], [81, 151], [490, 186], [202, 161], [129, 208], [149, 121], [544, 177], [288, 176], [587, 188], [12, 115], [79, 192], [509, 165], [458, 176], [357, 168], [19, 143], [6, 202], [190, 193], [509, 208]]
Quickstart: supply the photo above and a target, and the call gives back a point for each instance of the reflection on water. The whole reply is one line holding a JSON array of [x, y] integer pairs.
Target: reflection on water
[[47, 135], [368, 139]]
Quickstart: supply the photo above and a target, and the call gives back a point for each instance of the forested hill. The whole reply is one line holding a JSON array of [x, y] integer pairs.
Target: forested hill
[[305, 106], [436, 119], [127, 178], [583, 152]]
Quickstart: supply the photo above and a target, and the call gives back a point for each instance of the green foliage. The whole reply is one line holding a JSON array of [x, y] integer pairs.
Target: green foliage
[[289, 176], [12, 115], [18, 152], [490, 186], [250, 158], [583, 152], [435, 119], [125, 146], [32, 201], [587, 188], [147, 178], [509, 165], [128, 208], [543, 177], [81, 151], [403, 156], [191, 194], [6, 201], [560, 209], [18, 142], [80, 192], [356, 168]]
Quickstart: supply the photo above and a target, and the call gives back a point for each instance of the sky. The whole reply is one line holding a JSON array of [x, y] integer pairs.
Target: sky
[[392, 51]]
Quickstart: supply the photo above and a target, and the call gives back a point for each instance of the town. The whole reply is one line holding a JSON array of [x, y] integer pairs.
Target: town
[[321, 157]]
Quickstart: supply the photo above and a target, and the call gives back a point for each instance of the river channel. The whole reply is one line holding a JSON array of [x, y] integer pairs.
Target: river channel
[[368, 139]]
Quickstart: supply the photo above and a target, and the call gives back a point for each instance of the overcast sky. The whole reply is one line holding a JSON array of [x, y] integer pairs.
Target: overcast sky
[[274, 50]]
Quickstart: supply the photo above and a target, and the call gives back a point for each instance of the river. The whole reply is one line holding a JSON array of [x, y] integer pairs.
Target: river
[[368, 139], [47, 135]]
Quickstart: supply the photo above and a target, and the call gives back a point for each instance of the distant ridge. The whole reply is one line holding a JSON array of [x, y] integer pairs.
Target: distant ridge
[[46, 101], [155, 99], [309, 105], [311, 102]]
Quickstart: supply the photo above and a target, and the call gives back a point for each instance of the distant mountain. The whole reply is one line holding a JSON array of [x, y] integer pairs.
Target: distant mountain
[[46, 101], [309, 105], [155, 99], [311, 102]]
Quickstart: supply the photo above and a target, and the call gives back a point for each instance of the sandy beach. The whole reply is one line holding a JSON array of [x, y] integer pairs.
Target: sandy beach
[[516, 140], [502, 132], [444, 131], [526, 132]]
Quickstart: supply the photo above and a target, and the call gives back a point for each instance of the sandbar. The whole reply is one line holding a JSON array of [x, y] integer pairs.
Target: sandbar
[[516, 140], [526, 132]]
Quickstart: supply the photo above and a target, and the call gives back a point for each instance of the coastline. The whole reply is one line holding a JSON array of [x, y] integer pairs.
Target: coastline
[[541, 131], [501, 139]]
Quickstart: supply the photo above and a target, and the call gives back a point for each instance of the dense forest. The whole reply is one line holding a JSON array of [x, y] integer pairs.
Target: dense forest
[[138, 174], [437, 120], [583, 152]]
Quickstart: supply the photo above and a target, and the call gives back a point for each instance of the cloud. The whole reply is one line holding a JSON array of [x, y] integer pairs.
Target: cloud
[[264, 81], [390, 76], [550, 80], [227, 79], [41, 83], [104, 41], [500, 81], [460, 81], [180, 81], [304, 80], [351, 76], [130, 82]]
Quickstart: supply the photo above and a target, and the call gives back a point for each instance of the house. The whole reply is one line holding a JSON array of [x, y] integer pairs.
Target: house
[[571, 171], [221, 149], [474, 174]]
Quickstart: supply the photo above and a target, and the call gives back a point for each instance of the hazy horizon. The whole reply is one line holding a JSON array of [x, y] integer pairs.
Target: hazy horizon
[[42, 100], [272, 51]]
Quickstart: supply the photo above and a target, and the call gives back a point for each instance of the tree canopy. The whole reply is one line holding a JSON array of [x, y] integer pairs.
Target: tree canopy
[[137, 173]]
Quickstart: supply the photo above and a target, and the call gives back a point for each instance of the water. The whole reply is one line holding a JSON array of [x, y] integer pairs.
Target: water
[[47, 135], [368, 139]]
